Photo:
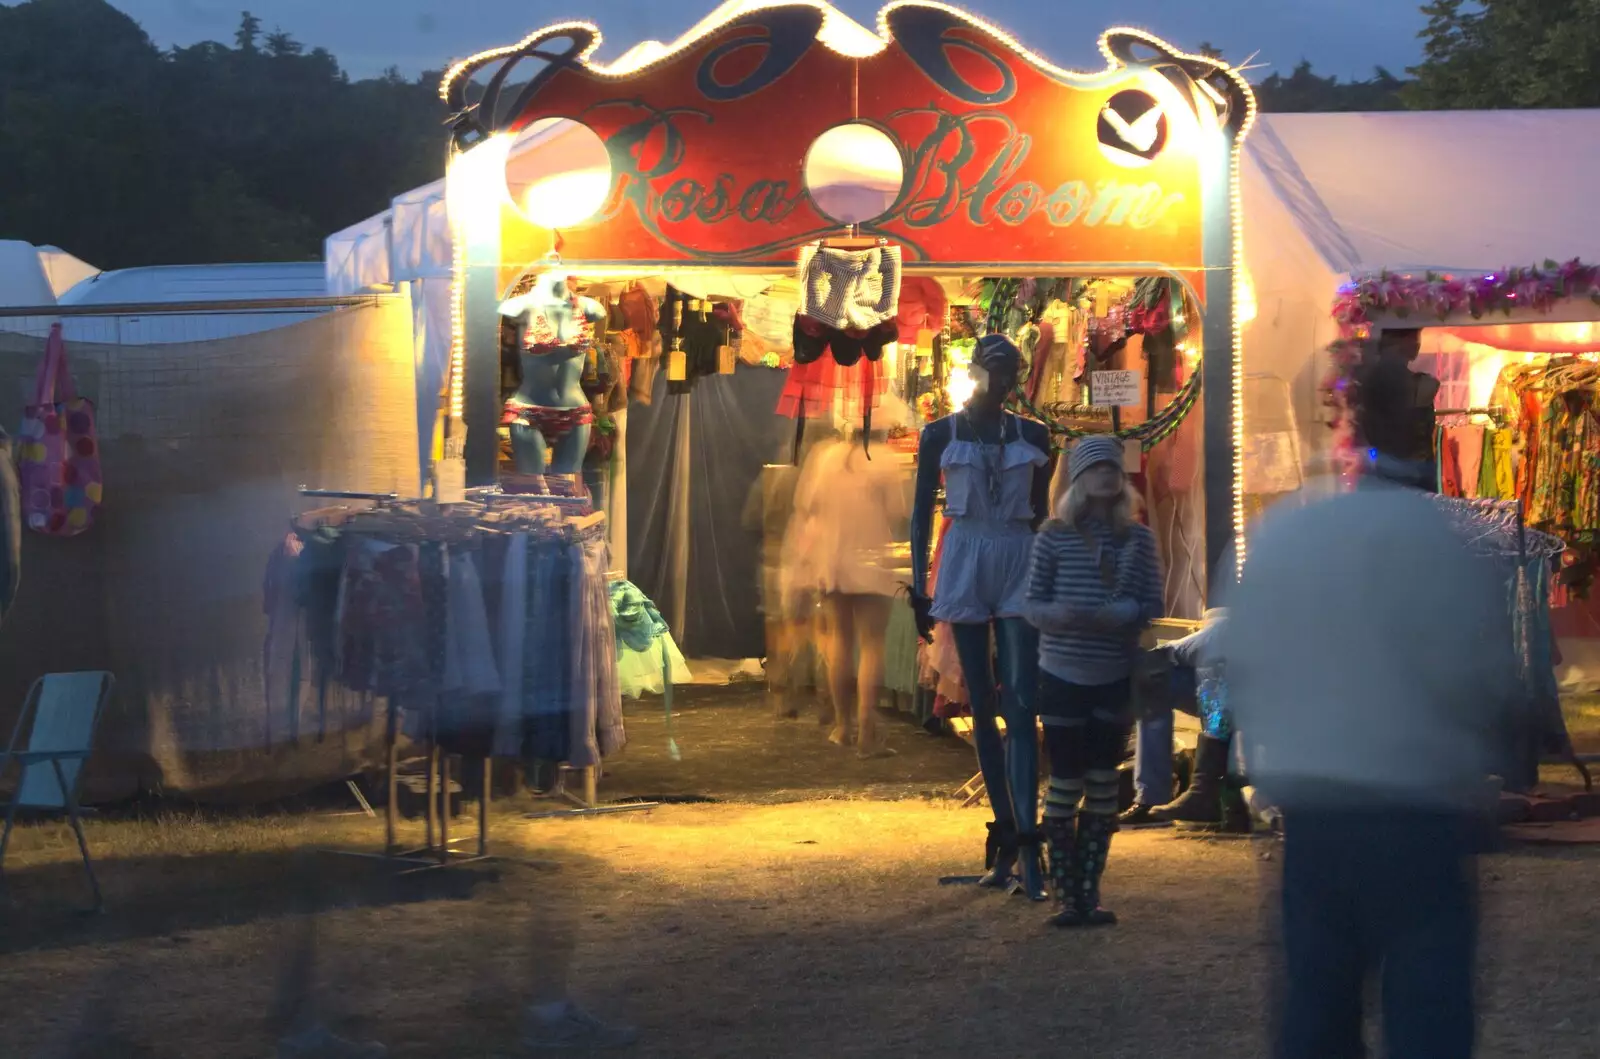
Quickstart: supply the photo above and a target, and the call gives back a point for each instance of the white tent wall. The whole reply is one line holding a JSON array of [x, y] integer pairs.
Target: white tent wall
[[205, 446], [1293, 288], [359, 257]]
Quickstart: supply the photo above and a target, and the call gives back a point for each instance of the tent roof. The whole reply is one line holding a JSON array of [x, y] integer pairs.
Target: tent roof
[[37, 275], [200, 283], [1455, 191]]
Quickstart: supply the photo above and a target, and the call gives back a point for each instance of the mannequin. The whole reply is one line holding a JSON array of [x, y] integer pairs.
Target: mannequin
[[550, 416], [996, 470]]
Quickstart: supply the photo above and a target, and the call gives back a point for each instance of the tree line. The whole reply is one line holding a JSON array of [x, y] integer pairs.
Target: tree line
[[128, 154]]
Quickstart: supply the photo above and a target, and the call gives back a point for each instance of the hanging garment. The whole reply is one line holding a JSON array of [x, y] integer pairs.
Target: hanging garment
[[280, 653], [469, 666], [512, 641], [850, 289], [648, 658], [922, 308]]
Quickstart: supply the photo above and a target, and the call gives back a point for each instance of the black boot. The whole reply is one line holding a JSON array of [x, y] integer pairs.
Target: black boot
[[1000, 856], [1090, 855], [1061, 832], [1202, 802], [1030, 877]]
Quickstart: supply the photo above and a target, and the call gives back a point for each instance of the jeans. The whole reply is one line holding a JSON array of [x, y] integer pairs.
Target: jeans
[[1152, 761], [1381, 889], [1010, 768]]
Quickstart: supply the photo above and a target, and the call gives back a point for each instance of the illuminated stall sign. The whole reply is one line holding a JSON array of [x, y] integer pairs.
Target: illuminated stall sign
[[1006, 161]]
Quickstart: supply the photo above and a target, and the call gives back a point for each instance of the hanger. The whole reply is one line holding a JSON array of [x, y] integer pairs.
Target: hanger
[[851, 241]]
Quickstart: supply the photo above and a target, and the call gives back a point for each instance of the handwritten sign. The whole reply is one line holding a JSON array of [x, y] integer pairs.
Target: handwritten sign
[[1116, 389]]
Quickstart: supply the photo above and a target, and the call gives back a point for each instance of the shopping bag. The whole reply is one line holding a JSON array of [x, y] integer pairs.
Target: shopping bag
[[59, 464]]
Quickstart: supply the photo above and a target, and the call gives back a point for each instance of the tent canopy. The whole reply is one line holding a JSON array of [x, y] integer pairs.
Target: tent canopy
[[1450, 191], [37, 275]]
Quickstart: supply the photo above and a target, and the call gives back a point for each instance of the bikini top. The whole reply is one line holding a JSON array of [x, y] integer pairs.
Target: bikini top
[[542, 335]]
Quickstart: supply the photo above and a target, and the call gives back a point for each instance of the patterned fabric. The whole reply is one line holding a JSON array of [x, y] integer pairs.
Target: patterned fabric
[[553, 423], [850, 288], [382, 620]]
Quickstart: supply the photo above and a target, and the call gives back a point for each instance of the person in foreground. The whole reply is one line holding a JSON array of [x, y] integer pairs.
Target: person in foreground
[[1369, 666], [1094, 585]]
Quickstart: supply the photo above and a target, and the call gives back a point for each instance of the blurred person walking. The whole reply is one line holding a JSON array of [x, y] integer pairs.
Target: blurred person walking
[[1094, 584], [847, 510], [1370, 666]]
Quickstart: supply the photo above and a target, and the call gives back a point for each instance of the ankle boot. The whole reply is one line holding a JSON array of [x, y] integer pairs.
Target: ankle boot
[[1000, 856], [1202, 802], [1030, 876], [1061, 833], [1092, 851]]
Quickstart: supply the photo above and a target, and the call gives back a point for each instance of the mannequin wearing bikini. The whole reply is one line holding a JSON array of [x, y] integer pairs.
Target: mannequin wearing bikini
[[549, 415]]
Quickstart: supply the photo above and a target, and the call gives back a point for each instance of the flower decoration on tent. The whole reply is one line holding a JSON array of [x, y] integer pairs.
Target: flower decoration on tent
[[1437, 297]]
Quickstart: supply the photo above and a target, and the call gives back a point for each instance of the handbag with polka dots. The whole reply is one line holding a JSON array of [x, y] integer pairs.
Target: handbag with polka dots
[[58, 464]]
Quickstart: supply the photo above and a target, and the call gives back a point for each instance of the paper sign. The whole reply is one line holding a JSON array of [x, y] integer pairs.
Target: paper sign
[[1115, 389], [450, 481]]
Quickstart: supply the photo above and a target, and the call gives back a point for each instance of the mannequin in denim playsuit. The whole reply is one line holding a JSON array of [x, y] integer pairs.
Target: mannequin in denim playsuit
[[996, 472]]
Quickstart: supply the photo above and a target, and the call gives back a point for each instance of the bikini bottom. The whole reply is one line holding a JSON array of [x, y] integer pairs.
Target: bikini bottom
[[553, 423]]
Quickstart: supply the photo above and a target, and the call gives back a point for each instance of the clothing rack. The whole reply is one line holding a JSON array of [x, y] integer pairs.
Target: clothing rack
[[453, 524], [1497, 528]]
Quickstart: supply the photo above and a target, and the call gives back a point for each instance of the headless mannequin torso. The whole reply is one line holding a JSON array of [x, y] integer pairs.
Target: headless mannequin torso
[[550, 415]]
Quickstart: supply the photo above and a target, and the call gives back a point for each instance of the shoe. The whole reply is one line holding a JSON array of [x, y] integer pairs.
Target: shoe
[[566, 1025], [1000, 857], [1142, 816], [1091, 852], [1202, 802], [1061, 834], [1030, 876], [319, 1042]]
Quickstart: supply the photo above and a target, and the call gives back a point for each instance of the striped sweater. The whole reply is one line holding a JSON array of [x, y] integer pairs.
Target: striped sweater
[[1088, 619]]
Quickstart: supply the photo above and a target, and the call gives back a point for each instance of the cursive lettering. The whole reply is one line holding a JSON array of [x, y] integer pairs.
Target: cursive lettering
[[948, 174]]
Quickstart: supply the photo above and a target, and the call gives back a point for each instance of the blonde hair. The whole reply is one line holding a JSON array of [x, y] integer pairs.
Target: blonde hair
[[1073, 504]]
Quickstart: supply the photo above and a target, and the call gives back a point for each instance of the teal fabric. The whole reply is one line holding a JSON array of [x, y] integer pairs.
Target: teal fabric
[[638, 623]]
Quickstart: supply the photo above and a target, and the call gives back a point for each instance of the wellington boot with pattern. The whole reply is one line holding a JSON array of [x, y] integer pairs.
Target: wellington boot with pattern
[[1000, 856], [1030, 867], [1060, 833], [1202, 802], [1090, 855]]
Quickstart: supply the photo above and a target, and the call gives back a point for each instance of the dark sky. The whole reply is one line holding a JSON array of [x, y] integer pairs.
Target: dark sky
[[1344, 37]]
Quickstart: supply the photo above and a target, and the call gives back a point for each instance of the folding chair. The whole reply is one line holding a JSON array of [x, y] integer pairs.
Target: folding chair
[[59, 716]]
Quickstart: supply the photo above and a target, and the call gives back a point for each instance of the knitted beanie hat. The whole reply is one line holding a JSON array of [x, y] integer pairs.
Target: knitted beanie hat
[[1096, 448]]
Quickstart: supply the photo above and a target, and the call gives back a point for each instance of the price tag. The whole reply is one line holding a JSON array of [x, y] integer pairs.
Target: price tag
[[1115, 389]]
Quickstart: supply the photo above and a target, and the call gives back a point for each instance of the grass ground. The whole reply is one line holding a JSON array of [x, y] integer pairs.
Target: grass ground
[[814, 927]]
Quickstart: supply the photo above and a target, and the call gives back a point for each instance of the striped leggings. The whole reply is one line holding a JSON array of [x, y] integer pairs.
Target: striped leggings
[[1086, 734]]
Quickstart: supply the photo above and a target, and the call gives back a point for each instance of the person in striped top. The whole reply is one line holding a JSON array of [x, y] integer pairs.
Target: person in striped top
[[1094, 585]]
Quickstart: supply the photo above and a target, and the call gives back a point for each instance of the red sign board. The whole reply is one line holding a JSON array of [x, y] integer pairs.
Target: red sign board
[[1007, 162]]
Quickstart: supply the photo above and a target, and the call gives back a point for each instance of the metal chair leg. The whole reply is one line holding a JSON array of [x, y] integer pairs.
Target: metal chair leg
[[77, 829], [5, 837]]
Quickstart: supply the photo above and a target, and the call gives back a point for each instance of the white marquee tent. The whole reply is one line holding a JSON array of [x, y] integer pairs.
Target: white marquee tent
[[1331, 197]]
